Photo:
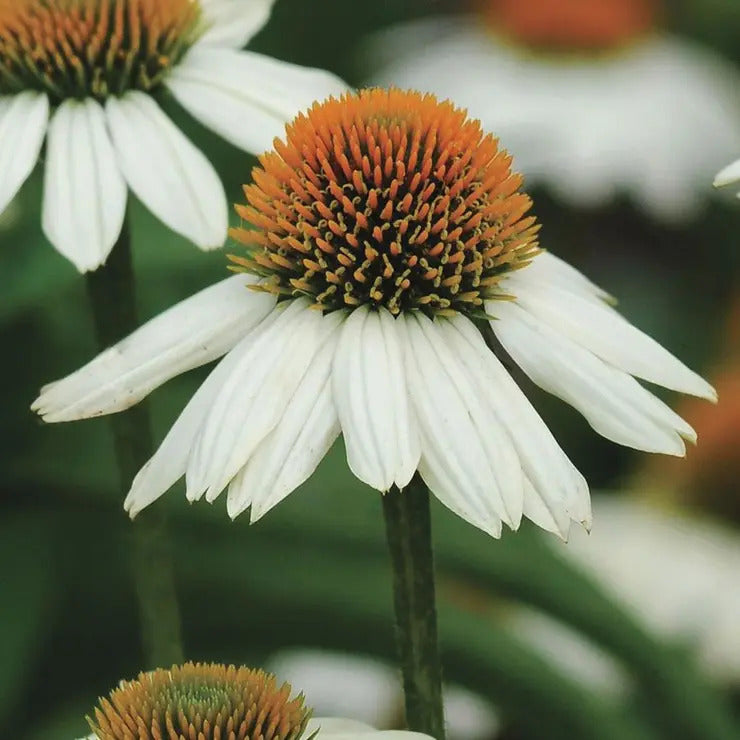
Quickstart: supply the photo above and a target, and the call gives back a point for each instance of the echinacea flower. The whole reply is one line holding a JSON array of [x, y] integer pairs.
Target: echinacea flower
[[390, 247], [592, 98], [82, 75], [211, 701]]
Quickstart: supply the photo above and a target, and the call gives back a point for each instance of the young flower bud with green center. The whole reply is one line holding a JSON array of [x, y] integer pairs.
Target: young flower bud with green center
[[210, 701], [197, 700]]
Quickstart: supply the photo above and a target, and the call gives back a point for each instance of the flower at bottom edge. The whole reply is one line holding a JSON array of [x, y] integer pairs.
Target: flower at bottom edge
[[213, 700]]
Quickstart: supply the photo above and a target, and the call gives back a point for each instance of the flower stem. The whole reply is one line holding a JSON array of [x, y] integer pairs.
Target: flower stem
[[111, 290], [409, 534]]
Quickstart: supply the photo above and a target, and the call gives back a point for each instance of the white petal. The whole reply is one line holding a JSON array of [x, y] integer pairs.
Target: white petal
[[233, 22], [728, 175], [334, 725], [245, 97], [292, 451], [467, 458], [23, 120], [169, 462], [550, 475], [254, 397], [539, 508], [192, 333], [338, 728], [601, 330], [549, 270], [168, 174], [613, 402], [372, 402], [84, 191]]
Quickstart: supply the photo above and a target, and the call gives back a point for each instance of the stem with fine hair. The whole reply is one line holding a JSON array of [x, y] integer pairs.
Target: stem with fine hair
[[409, 534], [112, 294]]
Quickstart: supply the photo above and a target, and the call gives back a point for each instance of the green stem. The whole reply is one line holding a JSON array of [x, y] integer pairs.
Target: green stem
[[112, 294], [409, 534]]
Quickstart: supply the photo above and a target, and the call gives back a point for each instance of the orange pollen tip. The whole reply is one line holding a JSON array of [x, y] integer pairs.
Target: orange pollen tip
[[389, 198], [571, 24], [92, 48]]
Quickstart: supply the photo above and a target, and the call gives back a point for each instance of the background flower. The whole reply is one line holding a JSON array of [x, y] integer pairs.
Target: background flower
[[594, 99], [105, 132]]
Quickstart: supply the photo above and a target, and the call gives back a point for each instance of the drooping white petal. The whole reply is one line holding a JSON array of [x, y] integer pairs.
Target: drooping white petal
[[539, 508], [169, 462], [604, 332], [254, 396], [728, 175], [612, 402], [168, 174], [372, 402], [547, 269], [245, 97], [467, 457], [552, 481], [291, 452], [232, 23], [192, 333], [23, 121], [84, 191]]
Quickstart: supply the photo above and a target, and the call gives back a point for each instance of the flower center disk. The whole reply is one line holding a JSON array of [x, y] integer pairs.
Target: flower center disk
[[92, 48], [207, 701], [388, 198]]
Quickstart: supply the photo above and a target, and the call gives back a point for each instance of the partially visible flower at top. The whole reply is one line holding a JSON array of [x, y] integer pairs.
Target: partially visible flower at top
[[593, 99], [729, 175], [391, 252], [210, 701], [82, 75]]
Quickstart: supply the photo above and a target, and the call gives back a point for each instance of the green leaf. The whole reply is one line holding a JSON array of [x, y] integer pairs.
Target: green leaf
[[28, 595]]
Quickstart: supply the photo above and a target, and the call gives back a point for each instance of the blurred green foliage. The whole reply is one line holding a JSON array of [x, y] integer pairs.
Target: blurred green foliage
[[314, 571]]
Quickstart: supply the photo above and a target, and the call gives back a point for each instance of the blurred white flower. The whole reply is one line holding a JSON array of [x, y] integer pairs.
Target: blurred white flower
[[382, 268], [81, 74], [370, 688], [372, 692], [676, 573], [729, 175], [654, 117]]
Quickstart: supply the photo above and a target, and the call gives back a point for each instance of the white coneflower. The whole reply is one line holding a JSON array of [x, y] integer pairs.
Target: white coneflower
[[591, 97], [81, 74], [212, 701], [390, 236]]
